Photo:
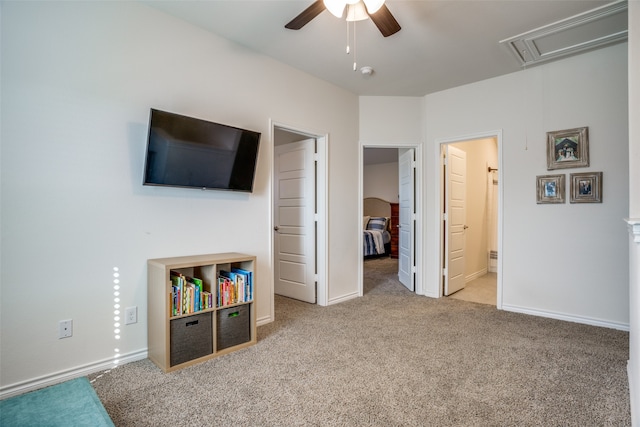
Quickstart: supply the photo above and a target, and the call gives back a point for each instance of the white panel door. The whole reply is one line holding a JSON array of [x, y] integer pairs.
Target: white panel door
[[455, 191], [294, 221], [406, 253]]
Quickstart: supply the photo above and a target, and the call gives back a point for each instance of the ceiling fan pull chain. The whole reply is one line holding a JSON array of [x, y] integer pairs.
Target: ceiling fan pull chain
[[355, 46], [348, 48]]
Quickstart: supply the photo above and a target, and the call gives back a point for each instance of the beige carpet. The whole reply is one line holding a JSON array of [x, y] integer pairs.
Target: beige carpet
[[390, 358]]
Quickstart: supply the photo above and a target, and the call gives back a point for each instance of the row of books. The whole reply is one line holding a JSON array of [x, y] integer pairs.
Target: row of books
[[234, 286], [189, 296]]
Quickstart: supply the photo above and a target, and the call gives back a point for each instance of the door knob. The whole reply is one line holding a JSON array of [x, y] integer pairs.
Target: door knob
[[465, 227], [276, 228]]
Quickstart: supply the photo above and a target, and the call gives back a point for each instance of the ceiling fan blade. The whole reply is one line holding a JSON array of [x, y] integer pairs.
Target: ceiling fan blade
[[385, 21], [306, 16]]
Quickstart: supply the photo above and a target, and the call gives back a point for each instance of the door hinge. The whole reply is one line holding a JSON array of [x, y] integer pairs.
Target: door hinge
[[316, 217], [316, 157], [414, 269], [413, 164], [315, 278], [444, 272], [444, 160], [445, 216]]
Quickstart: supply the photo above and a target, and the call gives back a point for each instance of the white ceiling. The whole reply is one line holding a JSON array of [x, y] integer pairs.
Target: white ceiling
[[442, 44]]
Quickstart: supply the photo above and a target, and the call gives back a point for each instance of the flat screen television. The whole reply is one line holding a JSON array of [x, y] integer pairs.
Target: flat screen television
[[188, 152]]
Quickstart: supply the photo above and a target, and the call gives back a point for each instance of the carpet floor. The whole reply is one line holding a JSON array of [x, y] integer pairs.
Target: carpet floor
[[390, 358]]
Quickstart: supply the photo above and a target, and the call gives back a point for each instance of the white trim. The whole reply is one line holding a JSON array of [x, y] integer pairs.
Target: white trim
[[567, 317], [270, 281], [633, 396], [634, 297], [634, 228], [435, 285], [344, 298], [264, 320], [420, 288], [360, 269], [322, 195], [475, 275], [69, 374]]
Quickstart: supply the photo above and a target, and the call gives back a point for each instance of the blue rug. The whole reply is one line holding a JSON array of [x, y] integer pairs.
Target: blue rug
[[72, 403]]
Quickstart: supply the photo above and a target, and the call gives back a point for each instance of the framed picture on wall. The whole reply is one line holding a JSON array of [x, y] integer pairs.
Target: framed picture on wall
[[586, 187], [550, 189], [568, 148]]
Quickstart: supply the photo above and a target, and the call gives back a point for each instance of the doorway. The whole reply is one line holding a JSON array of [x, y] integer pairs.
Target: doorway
[[392, 173], [470, 212], [299, 213]]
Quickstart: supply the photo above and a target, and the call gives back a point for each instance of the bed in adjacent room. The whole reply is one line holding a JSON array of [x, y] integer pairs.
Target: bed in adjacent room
[[376, 227]]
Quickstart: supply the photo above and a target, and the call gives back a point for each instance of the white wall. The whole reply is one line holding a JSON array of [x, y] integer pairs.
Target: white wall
[[634, 108], [391, 120], [78, 79], [381, 180], [567, 261]]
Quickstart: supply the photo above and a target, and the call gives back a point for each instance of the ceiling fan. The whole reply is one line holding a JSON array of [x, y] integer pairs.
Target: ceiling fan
[[356, 10]]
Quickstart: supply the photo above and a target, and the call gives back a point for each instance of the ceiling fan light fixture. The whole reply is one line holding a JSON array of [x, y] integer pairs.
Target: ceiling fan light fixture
[[373, 5], [356, 12], [336, 7], [357, 9]]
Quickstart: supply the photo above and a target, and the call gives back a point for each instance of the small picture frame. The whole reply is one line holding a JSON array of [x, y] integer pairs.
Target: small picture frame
[[568, 148], [550, 189], [586, 187]]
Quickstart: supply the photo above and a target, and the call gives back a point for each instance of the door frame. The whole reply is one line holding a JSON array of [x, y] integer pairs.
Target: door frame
[[436, 289], [322, 211], [418, 200]]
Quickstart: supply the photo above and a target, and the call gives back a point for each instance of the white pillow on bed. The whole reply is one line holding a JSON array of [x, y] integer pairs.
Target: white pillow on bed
[[365, 222]]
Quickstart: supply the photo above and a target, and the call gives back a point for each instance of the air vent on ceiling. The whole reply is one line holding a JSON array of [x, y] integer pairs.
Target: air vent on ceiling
[[589, 30]]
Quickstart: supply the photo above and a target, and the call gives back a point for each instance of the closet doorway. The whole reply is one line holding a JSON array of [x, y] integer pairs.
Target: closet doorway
[[299, 214], [470, 218]]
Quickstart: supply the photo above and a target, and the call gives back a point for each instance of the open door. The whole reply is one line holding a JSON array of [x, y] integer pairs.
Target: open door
[[294, 220], [406, 252], [455, 218]]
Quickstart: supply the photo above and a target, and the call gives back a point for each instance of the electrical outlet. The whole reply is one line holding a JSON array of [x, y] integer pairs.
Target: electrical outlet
[[130, 315], [65, 328]]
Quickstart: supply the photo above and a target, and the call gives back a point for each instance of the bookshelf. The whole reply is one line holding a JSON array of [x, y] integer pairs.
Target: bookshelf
[[182, 328]]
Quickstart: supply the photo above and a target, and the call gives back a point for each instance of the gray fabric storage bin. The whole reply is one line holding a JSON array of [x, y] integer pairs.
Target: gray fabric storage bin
[[233, 326], [191, 337]]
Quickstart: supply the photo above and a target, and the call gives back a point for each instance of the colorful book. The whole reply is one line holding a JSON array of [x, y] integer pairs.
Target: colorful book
[[248, 283]]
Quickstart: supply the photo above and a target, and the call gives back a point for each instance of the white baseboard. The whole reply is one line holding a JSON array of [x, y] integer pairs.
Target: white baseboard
[[343, 298], [634, 396], [69, 374], [567, 317], [264, 320], [475, 275]]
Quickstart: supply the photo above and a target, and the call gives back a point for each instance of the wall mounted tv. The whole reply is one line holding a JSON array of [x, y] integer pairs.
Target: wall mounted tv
[[188, 152]]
